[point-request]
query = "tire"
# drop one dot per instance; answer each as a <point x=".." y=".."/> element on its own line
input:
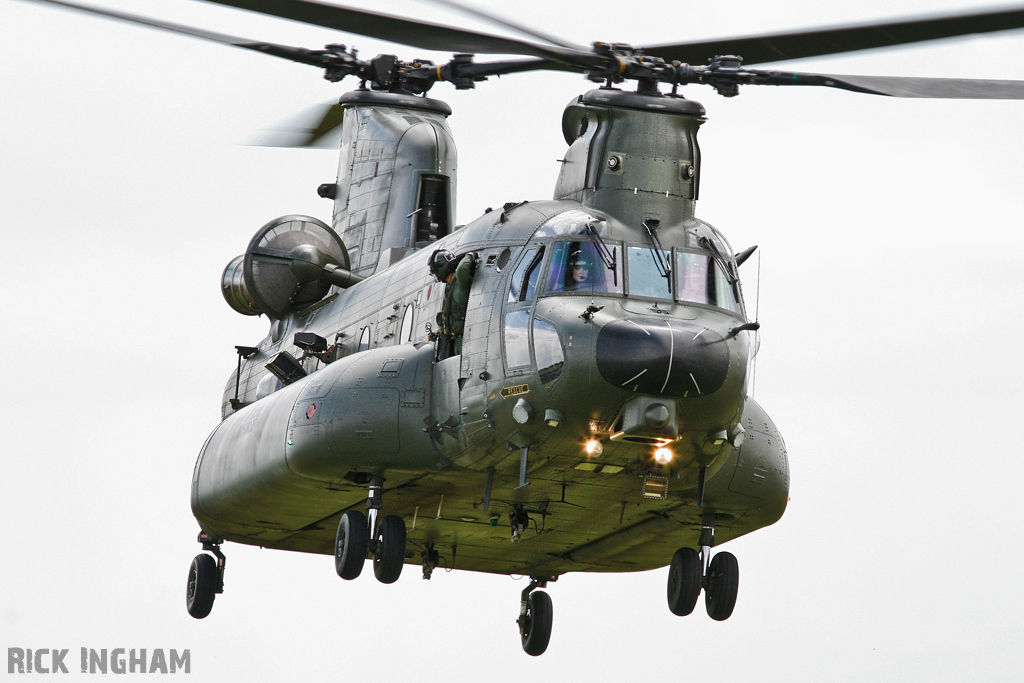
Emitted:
<point x="723" y="585"/>
<point x="684" y="580"/>
<point x="536" y="629"/>
<point x="389" y="556"/>
<point x="350" y="545"/>
<point x="202" y="586"/>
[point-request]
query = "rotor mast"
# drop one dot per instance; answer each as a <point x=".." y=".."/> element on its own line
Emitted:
<point x="630" y="146"/>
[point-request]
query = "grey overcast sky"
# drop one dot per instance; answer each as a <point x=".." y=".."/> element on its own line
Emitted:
<point x="891" y="294"/>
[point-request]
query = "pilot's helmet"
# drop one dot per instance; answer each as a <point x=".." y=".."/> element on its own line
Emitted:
<point x="442" y="264"/>
<point x="578" y="259"/>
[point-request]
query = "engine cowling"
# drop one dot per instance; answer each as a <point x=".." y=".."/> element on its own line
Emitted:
<point x="291" y="262"/>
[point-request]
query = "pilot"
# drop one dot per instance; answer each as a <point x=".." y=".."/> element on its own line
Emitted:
<point x="580" y="268"/>
<point x="457" y="274"/>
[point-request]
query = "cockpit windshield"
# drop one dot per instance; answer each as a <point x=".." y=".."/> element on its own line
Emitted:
<point x="697" y="276"/>
<point x="579" y="267"/>
<point x="647" y="272"/>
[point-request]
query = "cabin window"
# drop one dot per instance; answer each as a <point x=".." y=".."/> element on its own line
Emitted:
<point x="548" y="348"/>
<point x="269" y="383"/>
<point x="649" y="272"/>
<point x="581" y="267"/>
<point x="517" y="338"/>
<point x="405" y="331"/>
<point x="364" y="339"/>
<point x="524" y="279"/>
<point x="702" y="280"/>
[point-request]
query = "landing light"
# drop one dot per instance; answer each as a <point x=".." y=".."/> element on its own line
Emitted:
<point x="663" y="456"/>
<point x="552" y="417"/>
<point x="594" y="448"/>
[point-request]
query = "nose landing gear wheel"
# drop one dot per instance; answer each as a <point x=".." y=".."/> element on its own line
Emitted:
<point x="723" y="583"/>
<point x="202" y="586"/>
<point x="350" y="545"/>
<point x="389" y="551"/>
<point x="535" y="625"/>
<point x="684" y="581"/>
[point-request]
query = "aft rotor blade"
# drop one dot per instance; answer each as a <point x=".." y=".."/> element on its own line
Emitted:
<point x="507" y="23"/>
<point x="295" y="54"/>
<point x="838" y="39"/>
<point x="315" y="127"/>
<point x="509" y="67"/>
<point x="309" y="128"/>
<point x="411" y="32"/>
<point x="902" y="86"/>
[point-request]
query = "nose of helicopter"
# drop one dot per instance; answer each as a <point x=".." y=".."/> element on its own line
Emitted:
<point x="662" y="357"/>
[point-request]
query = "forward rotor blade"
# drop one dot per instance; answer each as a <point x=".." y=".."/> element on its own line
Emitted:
<point x="295" y="54"/>
<point x="902" y="86"/>
<point x="411" y="32"/>
<point x="507" y="23"/>
<point x="838" y="39"/>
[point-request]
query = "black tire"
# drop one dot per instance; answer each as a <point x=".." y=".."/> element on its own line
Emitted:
<point x="350" y="545"/>
<point x="723" y="585"/>
<point x="389" y="554"/>
<point x="684" y="579"/>
<point x="202" y="586"/>
<point x="536" y="628"/>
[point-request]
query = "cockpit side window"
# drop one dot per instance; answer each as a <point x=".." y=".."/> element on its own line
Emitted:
<point x="702" y="281"/>
<point x="579" y="267"/>
<point x="524" y="278"/>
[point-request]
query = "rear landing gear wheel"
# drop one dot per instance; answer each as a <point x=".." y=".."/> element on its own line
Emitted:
<point x="684" y="581"/>
<point x="723" y="581"/>
<point x="202" y="586"/>
<point x="350" y="545"/>
<point x="389" y="549"/>
<point x="535" y="625"/>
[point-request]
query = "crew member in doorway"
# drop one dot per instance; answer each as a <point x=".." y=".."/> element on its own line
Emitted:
<point x="457" y="274"/>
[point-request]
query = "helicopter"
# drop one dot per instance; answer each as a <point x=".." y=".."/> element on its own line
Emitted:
<point x="635" y="246"/>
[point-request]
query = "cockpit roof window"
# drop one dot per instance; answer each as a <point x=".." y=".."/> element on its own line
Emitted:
<point x="703" y="230"/>
<point x="572" y="222"/>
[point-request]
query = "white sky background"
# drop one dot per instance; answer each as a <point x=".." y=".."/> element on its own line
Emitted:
<point x="891" y="293"/>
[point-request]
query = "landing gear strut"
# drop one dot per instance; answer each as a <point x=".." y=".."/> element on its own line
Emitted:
<point x="358" y="533"/>
<point x="205" y="578"/>
<point x="535" y="617"/>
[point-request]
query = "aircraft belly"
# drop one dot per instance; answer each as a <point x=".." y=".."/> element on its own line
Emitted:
<point x="581" y="520"/>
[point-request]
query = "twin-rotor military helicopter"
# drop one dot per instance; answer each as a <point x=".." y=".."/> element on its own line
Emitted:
<point x="597" y="418"/>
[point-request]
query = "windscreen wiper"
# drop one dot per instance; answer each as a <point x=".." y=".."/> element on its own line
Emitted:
<point x="663" y="263"/>
<point x="713" y="248"/>
<point x="608" y="257"/>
